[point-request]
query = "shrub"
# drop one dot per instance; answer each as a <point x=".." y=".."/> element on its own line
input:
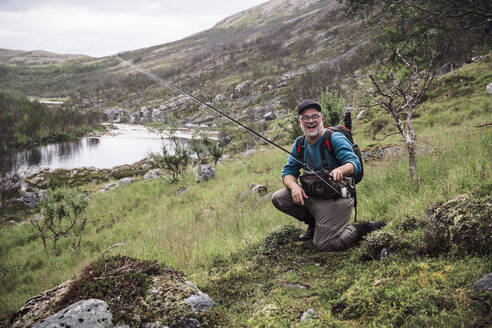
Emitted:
<point x="332" y="107"/>
<point x="174" y="161"/>
<point x="62" y="217"/>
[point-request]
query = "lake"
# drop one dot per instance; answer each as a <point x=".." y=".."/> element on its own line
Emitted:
<point x="125" y="145"/>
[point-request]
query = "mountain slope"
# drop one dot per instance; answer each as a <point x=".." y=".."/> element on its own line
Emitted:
<point x="251" y="60"/>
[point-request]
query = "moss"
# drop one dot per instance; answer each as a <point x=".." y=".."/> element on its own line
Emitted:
<point x="463" y="225"/>
<point x="276" y="239"/>
<point x="375" y="242"/>
<point x="137" y="292"/>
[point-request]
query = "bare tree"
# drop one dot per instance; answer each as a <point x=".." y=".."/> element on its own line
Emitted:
<point x="401" y="95"/>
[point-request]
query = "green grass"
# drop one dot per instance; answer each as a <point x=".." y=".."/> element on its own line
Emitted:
<point x="214" y="237"/>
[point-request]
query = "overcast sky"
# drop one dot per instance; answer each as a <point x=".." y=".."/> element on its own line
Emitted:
<point x="105" y="27"/>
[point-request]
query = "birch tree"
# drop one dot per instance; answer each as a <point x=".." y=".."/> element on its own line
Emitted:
<point x="400" y="94"/>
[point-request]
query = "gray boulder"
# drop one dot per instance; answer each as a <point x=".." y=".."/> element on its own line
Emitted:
<point x="309" y="314"/>
<point x="269" y="116"/>
<point x="124" y="181"/>
<point x="33" y="198"/>
<point x="153" y="174"/>
<point x="489" y="88"/>
<point x="200" y="303"/>
<point x="484" y="284"/>
<point x="90" y="313"/>
<point x="204" y="173"/>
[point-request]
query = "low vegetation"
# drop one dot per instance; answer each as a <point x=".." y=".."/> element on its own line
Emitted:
<point x="224" y="242"/>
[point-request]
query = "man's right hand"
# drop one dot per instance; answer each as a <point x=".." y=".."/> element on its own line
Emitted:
<point x="298" y="194"/>
<point x="296" y="191"/>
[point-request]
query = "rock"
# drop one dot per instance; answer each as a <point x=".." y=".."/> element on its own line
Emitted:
<point x="204" y="173"/>
<point x="269" y="116"/>
<point x="219" y="98"/>
<point x="91" y="313"/>
<point x="385" y="252"/>
<point x="360" y="114"/>
<point x="31" y="199"/>
<point x="259" y="189"/>
<point x="381" y="152"/>
<point x="124" y="181"/>
<point x="309" y="314"/>
<point x="109" y="186"/>
<point x="180" y="191"/>
<point x="241" y="89"/>
<point x="484" y="284"/>
<point x="146" y="166"/>
<point x="157" y="296"/>
<point x="10" y="185"/>
<point x="199" y="303"/>
<point x="249" y="152"/>
<point x="38" y="307"/>
<point x="463" y="225"/>
<point x="489" y="88"/>
<point x="153" y="174"/>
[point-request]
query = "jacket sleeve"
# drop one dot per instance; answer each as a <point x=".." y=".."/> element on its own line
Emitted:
<point x="292" y="167"/>
<point x="344" y="151"/>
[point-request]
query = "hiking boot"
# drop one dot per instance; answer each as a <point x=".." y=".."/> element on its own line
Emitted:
<point x="308" y="234"/>
<point x="367" y="227"/>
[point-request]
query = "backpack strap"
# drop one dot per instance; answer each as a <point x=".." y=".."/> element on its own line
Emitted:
<point x="325" y="143"/>
<point x="300" y="148"/>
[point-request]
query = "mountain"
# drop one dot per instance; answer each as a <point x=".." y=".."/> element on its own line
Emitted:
<point x="36" y="57"/>
<point x="257" y="61"/>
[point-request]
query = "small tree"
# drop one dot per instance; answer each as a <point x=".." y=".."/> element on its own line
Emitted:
<point x="174" y="160"/>
<point x="62" y="217"/>
<point x="332" y="107"/>
<point x="401" y="94"/>
<point x="214" y="149"/>
<point x="198" y="148"/>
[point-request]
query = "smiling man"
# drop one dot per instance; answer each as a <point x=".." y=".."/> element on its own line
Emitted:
<point x="326" y="213"/>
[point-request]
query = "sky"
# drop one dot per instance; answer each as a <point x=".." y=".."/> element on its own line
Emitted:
<point x="105" y="27"/>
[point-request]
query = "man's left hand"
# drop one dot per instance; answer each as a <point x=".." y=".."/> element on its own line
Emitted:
<point x="337" y="174"/>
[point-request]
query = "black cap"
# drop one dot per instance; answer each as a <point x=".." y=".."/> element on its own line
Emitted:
<point x="308" y="103"/>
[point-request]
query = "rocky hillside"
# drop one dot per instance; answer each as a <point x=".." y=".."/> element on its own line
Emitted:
<point x="251" y="63"/>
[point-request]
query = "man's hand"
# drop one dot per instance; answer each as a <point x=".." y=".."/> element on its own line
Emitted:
<point x="296" y="191"/>
<point x="338" y="173"/>
<point x="298" y="194"/>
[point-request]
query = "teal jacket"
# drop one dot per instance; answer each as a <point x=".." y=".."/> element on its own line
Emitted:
<point x="343" y="154"/>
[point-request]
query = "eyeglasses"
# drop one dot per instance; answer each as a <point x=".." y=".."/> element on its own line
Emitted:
<point x="307" y="118"/>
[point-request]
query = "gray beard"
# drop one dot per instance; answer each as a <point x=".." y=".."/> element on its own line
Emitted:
<point x="315" y="133"/>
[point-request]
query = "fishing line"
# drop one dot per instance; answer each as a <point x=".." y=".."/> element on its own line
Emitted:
<point x="197" y="100"/>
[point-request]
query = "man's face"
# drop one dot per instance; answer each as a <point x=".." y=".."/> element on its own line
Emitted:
<point x="311" y="123"/>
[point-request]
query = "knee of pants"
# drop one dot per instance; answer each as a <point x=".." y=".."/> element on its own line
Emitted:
<point x="332" y="245"/>
<point x="275" y="199"/>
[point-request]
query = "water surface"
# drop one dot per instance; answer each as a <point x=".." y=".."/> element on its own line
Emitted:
<point x="126" y="145"/>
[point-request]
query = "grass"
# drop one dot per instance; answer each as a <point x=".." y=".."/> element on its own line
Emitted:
<point x="215" y="238"/>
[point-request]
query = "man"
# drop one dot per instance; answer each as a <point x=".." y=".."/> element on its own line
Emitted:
<point x="326" y="218"/>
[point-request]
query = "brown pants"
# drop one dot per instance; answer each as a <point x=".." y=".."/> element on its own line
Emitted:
<point x="330" y="216"/>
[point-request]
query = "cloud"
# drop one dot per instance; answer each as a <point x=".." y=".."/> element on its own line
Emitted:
<point x="100" y="28"/>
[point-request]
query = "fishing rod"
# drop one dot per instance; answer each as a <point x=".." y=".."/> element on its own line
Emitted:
<point x="169" y="85"/>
